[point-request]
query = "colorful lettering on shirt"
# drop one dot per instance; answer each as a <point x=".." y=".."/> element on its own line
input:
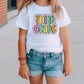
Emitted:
<point x="43" y="19"/>
<point x="45" y="24"/>
<point x="53" y="28"/>
<point x="37" y="20"/>
<point x="36" y="28"/>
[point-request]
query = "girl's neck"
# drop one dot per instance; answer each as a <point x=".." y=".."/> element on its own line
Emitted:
<point x="42" y="2"/>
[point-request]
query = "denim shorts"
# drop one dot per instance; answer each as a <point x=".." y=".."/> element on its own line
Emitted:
<point x="48" y="63"/>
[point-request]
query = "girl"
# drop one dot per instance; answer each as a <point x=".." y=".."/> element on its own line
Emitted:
<point x="43" y="36"/>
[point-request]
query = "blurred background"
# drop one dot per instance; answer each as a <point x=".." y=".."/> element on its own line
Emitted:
<point x="9" y="65"/>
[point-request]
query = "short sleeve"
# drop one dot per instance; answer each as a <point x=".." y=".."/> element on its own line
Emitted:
<point x="22" y="19"/>
<point x="65" y="20"/>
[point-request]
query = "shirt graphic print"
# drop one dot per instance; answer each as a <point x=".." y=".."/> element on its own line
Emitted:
<point x="45" y="24"/>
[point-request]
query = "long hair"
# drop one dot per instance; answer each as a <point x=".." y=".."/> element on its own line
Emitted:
<point x="55" y="4"/>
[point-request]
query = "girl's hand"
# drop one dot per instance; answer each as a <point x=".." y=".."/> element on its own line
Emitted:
<point x="67" y="67"/>
<point x="24" y="71"/>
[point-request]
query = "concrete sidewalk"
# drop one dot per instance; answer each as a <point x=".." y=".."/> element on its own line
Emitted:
<point x="9" y="64"/>
<point x="11" y="14"/>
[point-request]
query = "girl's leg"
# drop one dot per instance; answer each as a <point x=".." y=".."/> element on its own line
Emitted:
<point x="54" y="80"/>
<point x="36" y="79"/>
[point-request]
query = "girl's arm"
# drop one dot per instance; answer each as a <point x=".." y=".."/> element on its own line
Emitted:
<point x="66" y="43"/>
<point x="66" y="49"/>
<point x="22" y="43"/>
<point x="24" y="69"/>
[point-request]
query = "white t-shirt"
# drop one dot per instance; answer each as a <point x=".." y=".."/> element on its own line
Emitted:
<point x="43" y="27"/>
